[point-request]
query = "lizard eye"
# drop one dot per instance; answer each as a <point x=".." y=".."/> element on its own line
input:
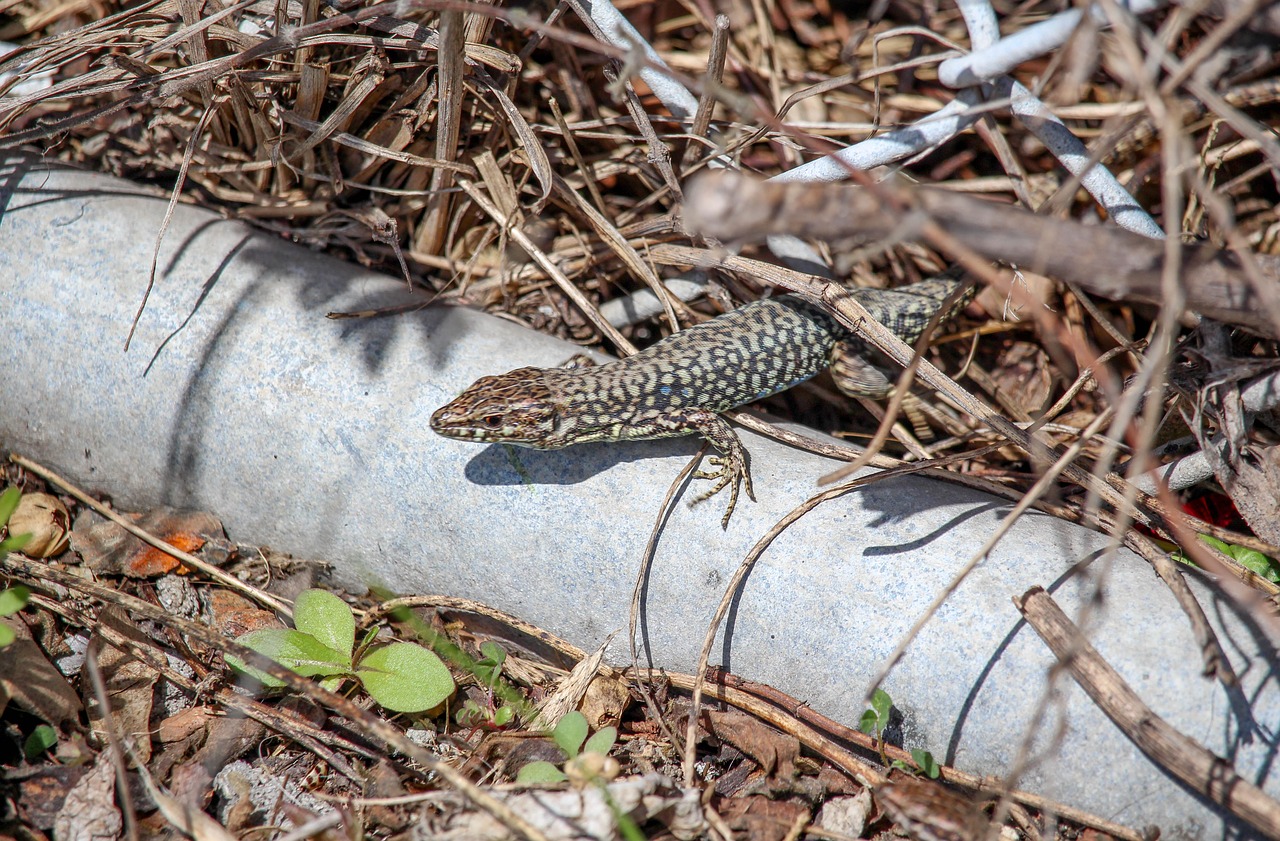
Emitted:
<point x="492" y="421"/>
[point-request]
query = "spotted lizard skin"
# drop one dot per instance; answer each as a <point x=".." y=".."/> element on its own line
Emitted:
<point x="680" y="385"/>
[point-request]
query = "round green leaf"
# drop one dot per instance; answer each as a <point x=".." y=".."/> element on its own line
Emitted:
<point x="867" y="724"/>
<point x="876" y="719"/>
<point x="13" y="599"/>
<point x="601" y="741"/>
<point x="493" y="652"/>
<point x="7" y="635"/>
<point x="540" y="773"/>
<point x="327" y="618"/>
<point x="15" y="542"/>
<point x="294" y="650"/>
<point x="570" y="733"/>
<point x="926" y="763"/>
<point x="469" y="714"/>
<point x="882" y="704"/>
<point x="41" y="739"/>
<point x="9" y="503"/>
<point x="405" y="677"/>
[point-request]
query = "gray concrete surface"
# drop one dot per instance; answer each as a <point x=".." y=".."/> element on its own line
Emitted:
<point x="239" y="397"/>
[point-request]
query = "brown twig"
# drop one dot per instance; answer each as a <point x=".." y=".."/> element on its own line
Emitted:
<point x="1210" y="776"/>
<point x="1107" y="261"/>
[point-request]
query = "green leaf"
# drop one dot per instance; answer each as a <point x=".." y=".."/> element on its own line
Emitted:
<point x="503" y="716"/>
<point x="41" y="739"/>
<point x="1250" y="559"/>
<point x="469" y="714"/>
<point x="14" y="543"/>
<point x="13" y="599"/>
<point x="570" y="733"/>
<point x="882" y="704"/>
<point x="926" y="763"/>
<point x="493" y="653"/>
<point x="601" y="741"/>
<point x="294" y="650"/>
<point x="1258" y="563"/>
<point x="405" y="677"/>
<point x="876" y="718"/>
<point x="867" y="724"/>
<point x="7" y="635"/>
<point x="1221" y="546"/>
<point x="327" y="618"/>
<point x="489" y="668"/>
<point x="540" y="773"/>
<point x="9" y="503"/>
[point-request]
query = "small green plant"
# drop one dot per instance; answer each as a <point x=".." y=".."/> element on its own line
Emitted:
<point x="876" y="720"/>
<point x="8" y="504"/>
<point x="1251" y="559"/>
<point x="475" y="715"/>
<point x="488" y="671"/>
<point x="42" y="738"/>
<point x="489" y="667"/>
<point x="585" y="757"/>
<point x="588" y="763"/>
<point x="509" y="700"/>
<point x="925" y="764"/>
<point x="401" y="676"/>
<point x="12" y="600"/>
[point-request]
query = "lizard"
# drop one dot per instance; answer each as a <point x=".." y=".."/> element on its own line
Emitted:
<point x="680" y="385"/>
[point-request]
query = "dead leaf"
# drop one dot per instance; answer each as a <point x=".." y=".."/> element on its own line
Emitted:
<point x="776" y="753"/>
<point x="107" y="548"/>
<point x="589" y="813"/>
<point x="606" y="699"/>
<point x="29" y="679"/>
<point x="182" y="726"/>
<point x="571" y="690"/>
<point x="1022" y="374"/>
<point x="180" y="736"/>
<point x="89" y="812"/>
<point x="761" y="818"/>
<point x="40" y="796"/>
<point x="130" y="685"/>
<point x="187" y="819"/>
<point x="227" y="737"/>
<point x="845" y="816"/>
<point x="234" y="615"/>
<point x="926" y="809"/>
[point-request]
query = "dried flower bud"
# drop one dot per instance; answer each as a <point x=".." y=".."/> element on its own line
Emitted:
<point x="45" y="518"/>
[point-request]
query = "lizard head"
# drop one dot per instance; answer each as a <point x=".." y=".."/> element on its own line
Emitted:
<point x="511" y="408"/>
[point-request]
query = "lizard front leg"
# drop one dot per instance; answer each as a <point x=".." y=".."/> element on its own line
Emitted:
<point x="733" y="467"/>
